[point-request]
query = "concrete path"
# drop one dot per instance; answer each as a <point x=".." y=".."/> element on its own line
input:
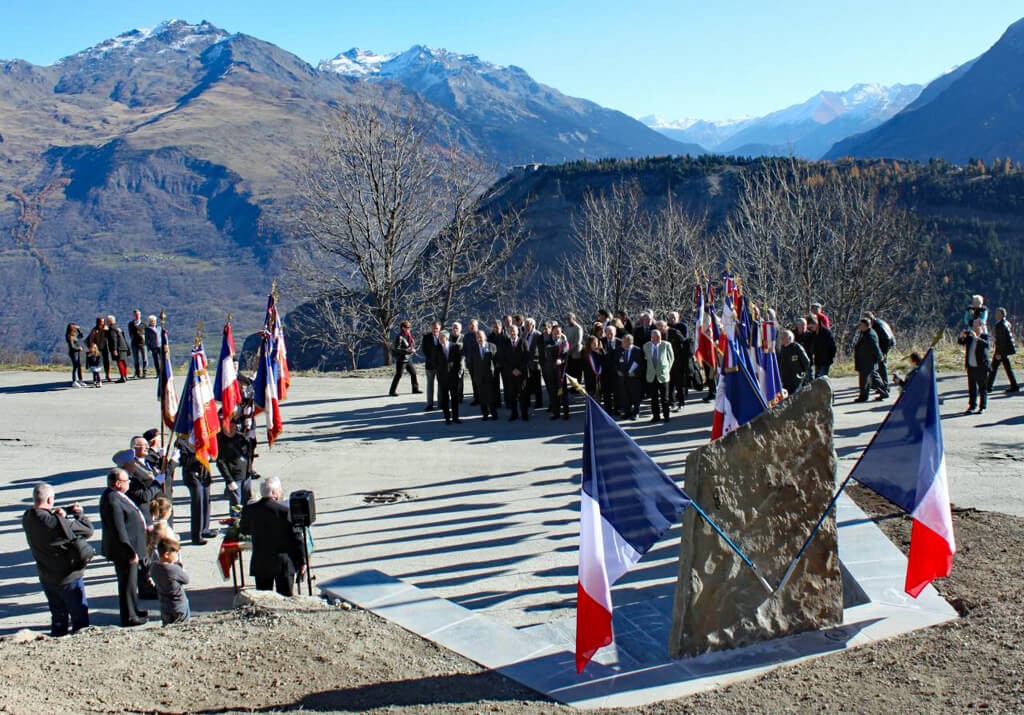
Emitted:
<point x="486" y="516"/>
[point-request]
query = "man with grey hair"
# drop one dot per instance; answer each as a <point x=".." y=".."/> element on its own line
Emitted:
<point x="47" y="529"/>
<point x="277" y="549"/>
<point x="470" y="356"/>
<point x="447" y="365"/>
<point x="794" y="364"/>
<point x="574" y="337"/>
<point x="124" y="544"/>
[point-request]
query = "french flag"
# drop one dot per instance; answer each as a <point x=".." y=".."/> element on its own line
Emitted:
<point x="226" y="389"/>
<point x="265" y="389"/>
<point x="768" y="374"/>
<point x="738" y="398"/>
<point x="627" y="503"/>
<point x="166" y="393"/>
<point x="197" y="412"/>
<point x="705" y="352"/>
<point x="906" y="464"/>
<point x="278" y="350"/>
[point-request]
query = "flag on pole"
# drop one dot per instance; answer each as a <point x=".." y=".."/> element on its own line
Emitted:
<point x="165" y="391"/>
<point x="197" y="412"/>
<point x="705" y="352"/>
<point x="278" y="351"/>
<point x="627" y="503"/>
<point x="768" y="375"/>
<point x="738" y="398"/>
<point x="226" y="389"/>
<point x="905" y="463"/>
<point x="265" y="389"/>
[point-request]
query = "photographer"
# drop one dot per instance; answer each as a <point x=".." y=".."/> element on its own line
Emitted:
<point x="48" y="529"/>
<point x="976" y="362"/>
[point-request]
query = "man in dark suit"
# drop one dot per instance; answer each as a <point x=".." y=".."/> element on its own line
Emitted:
<point x="137" y="340"/>
<point x="866" y="357"/>
<point x="514" y="360"/>
<point x="534" y="341"/>
<point x="677" y="334"/>
<point x="47" y="528"/>
<point x="483" y="375"/>
<point x="277" y="552"/>
<point x="447" y="362"/>
<point x="976" y="362"/>
<point x="628" y="364"/>
<point x="609" y="374"/>
<point x="469" y="342"/>
<point x="498" y="338"/>
<point x="1004" y="348"/>
<point x="427" y="346"/>
<point x="124" y="544"/>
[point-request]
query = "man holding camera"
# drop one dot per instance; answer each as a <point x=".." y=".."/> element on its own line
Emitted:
<point x="48" y="529"/>
<point x="277" y="549"/>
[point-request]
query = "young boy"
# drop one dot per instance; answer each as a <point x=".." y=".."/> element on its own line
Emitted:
<point x="170" y="580"/>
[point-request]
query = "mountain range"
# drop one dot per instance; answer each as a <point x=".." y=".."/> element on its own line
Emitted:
<point x="807" y="130"/>
<point x="976" y="112"/>
<point x="164" y="159"/>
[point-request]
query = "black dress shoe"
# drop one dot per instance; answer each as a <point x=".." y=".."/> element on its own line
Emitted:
<point x="654" y="419"/>
<point x="134" y="623"/>
<point x="417" y="391"/>
<point x="554" y="417"/>
<point x="199" y="542"/>
<point x="392" y="394"/>
<point x="861" y="399"/>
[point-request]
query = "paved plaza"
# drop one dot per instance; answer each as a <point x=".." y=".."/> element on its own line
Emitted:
<point x="486" y="512"/>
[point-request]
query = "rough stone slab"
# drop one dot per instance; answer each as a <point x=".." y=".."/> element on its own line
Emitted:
<point x="765" y="484"/>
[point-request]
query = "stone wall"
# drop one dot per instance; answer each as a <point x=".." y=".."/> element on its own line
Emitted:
<point x="765" y="484"/>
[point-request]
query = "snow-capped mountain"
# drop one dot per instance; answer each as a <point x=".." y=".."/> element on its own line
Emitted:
<point x="170" y="34"/>
<point x="807" y="129"/>
<point x="508" y="105"/>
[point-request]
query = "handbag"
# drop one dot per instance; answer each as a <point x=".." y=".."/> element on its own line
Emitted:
<point x="76" y="551"/>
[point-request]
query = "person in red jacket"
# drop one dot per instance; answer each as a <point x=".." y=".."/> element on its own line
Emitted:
<point x="822" y="319"/>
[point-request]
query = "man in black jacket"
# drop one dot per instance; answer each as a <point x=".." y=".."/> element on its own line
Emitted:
<point x="822" y="352"/>
<point x="447" y="365"/>
<point x="1005" y="347"/>
<point x="886" y="342"/>
<point x="428" y="344"/>
<point x="976" y="362"/>
<point x="514" y="360"/>
<point x="137" y="338"/>
<point x="277" y="553"/>
<point x="47" y="529"/>
<point x="124" y="544"/>
<point x="794" y="365"/>
<point x="482" y="372"/>
<point x="233" y="464"/>
<point x="866" y="356"/>
<point x="678" y="336"/>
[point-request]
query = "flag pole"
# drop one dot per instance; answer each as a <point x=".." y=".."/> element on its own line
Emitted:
<point x="810" y="537"/>
<point x="162" y="385"/>
<point x="575" y="385"/>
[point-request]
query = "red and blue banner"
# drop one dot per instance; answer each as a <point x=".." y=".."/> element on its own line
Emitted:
<point x="264" y="387"/>
<point x="278" y="352"/>
<point x="196" y="420"/>
<point x="738" y="398"/>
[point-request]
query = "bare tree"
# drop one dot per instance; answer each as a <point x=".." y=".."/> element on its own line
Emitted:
<point x="607" y="230"/>
<point x="804" y="232"/>
<point x="369" y="202"/>
<point x="677" y="245"/>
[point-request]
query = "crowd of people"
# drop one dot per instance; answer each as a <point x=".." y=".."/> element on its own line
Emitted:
<point x="139" y="538"/>
<point x="106" y="346"/>
<point x="515" y="361"/>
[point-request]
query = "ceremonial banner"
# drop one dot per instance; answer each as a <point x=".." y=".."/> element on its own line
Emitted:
<point x="226" y="389"/>
<point x="197" y="412"/>
<point x="165" y="391"/>
<point x="738" y="397"/>
<point x="265" y="389"/>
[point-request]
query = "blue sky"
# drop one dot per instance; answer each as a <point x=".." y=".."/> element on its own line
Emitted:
<point x="711" y="60"/>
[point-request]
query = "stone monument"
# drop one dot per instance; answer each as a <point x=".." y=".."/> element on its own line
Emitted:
<point x="765" y="485"/>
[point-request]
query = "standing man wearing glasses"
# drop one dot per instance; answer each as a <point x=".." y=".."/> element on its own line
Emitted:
<point x="124" y="544"/>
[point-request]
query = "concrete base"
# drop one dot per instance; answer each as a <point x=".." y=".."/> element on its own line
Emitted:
<point x="635" y="670"/>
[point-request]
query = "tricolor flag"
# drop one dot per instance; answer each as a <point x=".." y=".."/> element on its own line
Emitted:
<point x="705" y="351"/>
<point x="165" y="385"/>
<point x="738" y="398"/>
<point x="768" y="375"/>
<point x="265" y="389"/>
<point x="627" y="503"/>
<point x="226" y="389"/>
<point x="197" y="412"/>
<point x="278" y="351"/>
<point x="905" y="463"/>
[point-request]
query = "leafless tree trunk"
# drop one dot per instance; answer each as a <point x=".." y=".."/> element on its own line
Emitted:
<point x="608" y="230"/>
<point x="369" y="202"/>
<point x="805" y="232"/>
<point x="669" y="259"/>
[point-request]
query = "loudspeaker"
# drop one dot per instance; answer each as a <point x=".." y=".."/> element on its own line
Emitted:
<point x="302" y="507"/>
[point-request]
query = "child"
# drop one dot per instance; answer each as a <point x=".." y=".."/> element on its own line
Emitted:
<point x="94" y="363"/>
<point x="160" y="511"/>
<point x="170" y="580"/>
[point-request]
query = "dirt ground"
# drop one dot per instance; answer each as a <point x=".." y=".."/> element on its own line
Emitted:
<point x="327" y="659"/>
